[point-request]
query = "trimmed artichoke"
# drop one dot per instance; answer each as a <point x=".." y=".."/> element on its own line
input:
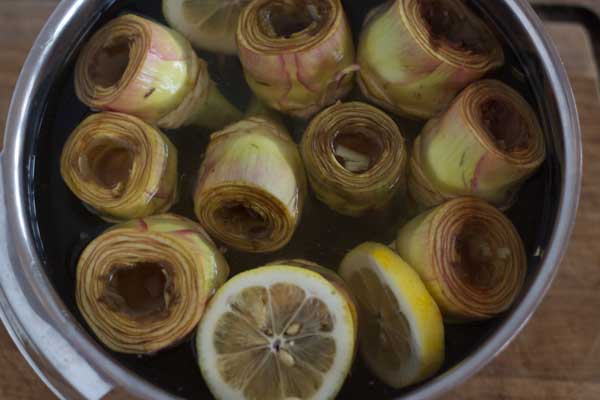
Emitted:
<point x="469" y="255"/>
<point x="298" y="55"/>
<point x="251" y="186"/>
<point x="120" y="166"/>
<point x="142" y="286"/>
<point x="485" y="145"/>
<point x="355" y="157"/>
<point x="416" y="55"/>
<point x="139" y="67"/>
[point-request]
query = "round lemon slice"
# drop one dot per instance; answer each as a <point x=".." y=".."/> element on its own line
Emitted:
<point x="274" y="333"/>
<point x="328" y="274"/>
<point x="207" y="24"/>
<point x="401" y="332"/>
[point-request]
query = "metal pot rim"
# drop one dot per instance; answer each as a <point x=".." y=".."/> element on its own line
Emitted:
<point x="24" y="271"/>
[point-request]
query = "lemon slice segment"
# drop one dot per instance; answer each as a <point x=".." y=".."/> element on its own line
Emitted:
<point x="401" y="332"/>
<point x="207" y="24"/>
<point x="275" y="333"/>
<point x="328" y="274"/>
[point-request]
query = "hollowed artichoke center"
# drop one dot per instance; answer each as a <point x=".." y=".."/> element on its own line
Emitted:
<point x="478" y="260"/>
<point x="505" y="125"/>
<point x="241" y="219"/>
<point x="140" y="289"/>
<point x="447" y="25"/>
<point x="286" y="18"/>
<point x="110" y="63"/>
<point x="110" y="163"/>
<point x="357" y="150"/>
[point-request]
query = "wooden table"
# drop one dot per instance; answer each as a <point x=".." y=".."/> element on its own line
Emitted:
<point x="557" y="356"/>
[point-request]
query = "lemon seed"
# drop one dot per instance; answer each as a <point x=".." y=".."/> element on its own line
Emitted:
<point x="293" y="330"/>
<point x="286" y="358"/>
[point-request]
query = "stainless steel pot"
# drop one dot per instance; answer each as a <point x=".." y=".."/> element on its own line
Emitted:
<point x="70" y="361"/>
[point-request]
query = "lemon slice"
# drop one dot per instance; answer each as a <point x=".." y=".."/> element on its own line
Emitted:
<point x="276" y="332"/>
<point x="328" y="274"/>
<point x="401" y="332"/>
<point x="208" y="24"/>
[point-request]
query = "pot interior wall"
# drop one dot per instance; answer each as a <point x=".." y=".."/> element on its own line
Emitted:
<point x="63" y="226"/>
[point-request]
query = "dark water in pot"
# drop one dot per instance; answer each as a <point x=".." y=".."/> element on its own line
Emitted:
<point x="63" y="226"/>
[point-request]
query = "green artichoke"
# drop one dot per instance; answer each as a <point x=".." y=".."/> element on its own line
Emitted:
<point x="416" y="55"/>
<point x="485" y="145"/>
<point x="251" y="186"/>
<point x="120" y="166"/>
<point x="355" y="158"/>
<point x="142" y="286"/>
<point x="139" y="67"/>
<point x="469" y="255"/>
<point x="298" y="55"/>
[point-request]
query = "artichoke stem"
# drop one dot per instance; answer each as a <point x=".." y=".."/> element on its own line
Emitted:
<point x="258" y="108"/>
<point x="216" y="112"/>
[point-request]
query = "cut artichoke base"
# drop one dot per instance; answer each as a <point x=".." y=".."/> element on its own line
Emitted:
<point x="272" y="337"/>
<point x="357" y="150"/>
<point x="477" y="258"/>
<point x="447" y="26"/>
<point x="247" y="220"/>
<point x="242" y="219"/>
<point x="505" y="125"/>
<point x="141" y="291"/>
<point x="287" y="19"/>
<point x="110" y="62"/>
<point x="109" y="163"/>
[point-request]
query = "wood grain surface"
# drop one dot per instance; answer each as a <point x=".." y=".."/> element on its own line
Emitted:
<point x="557" y="356"/>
